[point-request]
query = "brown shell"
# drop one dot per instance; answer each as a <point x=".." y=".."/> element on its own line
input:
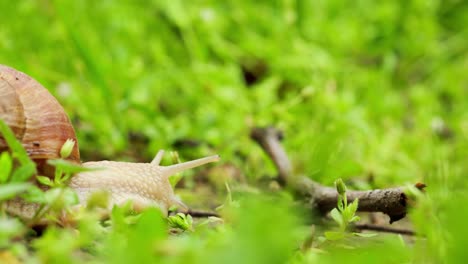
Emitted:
<point x="35" y="116"/>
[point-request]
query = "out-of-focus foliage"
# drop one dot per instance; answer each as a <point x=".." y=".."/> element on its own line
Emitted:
<point x="362" y="89"/>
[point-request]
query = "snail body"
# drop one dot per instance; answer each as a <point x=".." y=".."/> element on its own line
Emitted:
<point x="40" y="123"/>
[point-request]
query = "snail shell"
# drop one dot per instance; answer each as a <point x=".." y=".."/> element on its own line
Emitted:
<point x="40" y="123"/>
<point x="37" y="119"/>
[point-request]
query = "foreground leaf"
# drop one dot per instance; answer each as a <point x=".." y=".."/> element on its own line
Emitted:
<point x="10" y="190"/>
<point x="332" y="235"/>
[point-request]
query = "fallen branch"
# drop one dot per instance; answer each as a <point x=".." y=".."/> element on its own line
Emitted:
<point x="196" y="213"/>
<point x="385" y="229"/>
<point x="392" y="201"/>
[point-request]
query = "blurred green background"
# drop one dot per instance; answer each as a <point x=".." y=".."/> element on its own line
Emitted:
<point x="359" y="87"/>
<point x="371" y="90"/>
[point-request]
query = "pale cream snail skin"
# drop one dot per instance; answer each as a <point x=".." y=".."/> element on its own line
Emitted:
<point x="42" y="126"/>
<point x="145" y="184"/>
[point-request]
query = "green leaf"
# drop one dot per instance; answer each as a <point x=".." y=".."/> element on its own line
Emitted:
<point x="60" y="198"/>
<point x="14" y="145"/>
<point x="189" y="220"/>
<point x="35" y="195"/>
<point x="118" y="218"/>
<point x="24" y="172"/>
<point x="332" y="235"/>
<point x="99" y="199"/>
<point x="68" y="166"/>
<point x="349" y="211"/>
<point x="181" y="221"/>
<point x="9" y="228"/>
<point x="28" y="168"/>
<point x="212" y="220"/>
<point x="45" y="180"/>
<point x="335" y="214"/>
<point x="340" y="203"/>
<point x="150" y="227"/>
<point x="346" y="215"/>
<point x="365" y="234"/>
<point x="6" y="165"/>
<point x="354" y="219"/>
<point x="69" y="197"/>
<point x="353" y="207"/>
<point x="52" y="195"/>
<point x="12" y="189"/>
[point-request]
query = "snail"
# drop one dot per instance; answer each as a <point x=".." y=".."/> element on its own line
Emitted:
<point x="40" y="123"/>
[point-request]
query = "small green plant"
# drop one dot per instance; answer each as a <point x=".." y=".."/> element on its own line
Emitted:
<point x="63" y="169"/>
<point x="26" y="167"/>
<point x="344" y="214"/>
<point x="181" y="221"/>
<point x="59" y="196"/>
<point x="13" y="178"/>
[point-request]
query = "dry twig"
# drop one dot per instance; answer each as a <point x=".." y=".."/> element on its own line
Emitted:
<point x="196" y="213"/>
<point x="392" y="201"/>
<point x="385" y="229"/>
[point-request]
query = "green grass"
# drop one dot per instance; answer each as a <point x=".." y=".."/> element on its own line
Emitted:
<point x="360" y="88"/>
